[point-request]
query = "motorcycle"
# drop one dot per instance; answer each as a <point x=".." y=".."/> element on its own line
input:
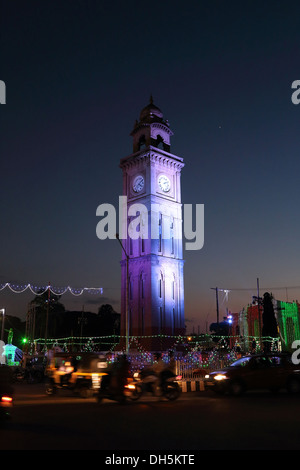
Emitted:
<point x="112" y="390"/>
<point x="114" y="383"/>
<point x="146" y="382"/>
<point x="29" y="375"/>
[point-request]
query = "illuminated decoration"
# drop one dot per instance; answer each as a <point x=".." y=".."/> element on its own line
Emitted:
<point x="288" y="320"/>
<point x="254" y="320"/>
<point x="10" y="336"/>
<point x="152" y="287"/>
<point x="193" y="348"/>
<point x="40" y="290"/>
<point x="89" y="346"/>
<point x="205" y="354"/>
<point x="12" y="354"/>
<point x="226" y="292"/>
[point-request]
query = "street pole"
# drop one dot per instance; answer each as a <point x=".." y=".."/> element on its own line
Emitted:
<point x="259" y="315"/>
<point x="127" y="296"/>
<point x="217" y="302"/>
<point x="47" y="316"/>
<point x="82" y="320"/>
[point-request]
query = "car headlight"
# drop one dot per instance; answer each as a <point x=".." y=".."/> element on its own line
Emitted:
<point x="206" y="376"/>
<point x="220" y="377"/>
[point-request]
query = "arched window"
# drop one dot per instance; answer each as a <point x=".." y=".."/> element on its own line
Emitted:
<point x="159" y="142"/>
<point x="142" y="142"/>
<point x="130" y="323"/>
<point x="173" y="322"/>
<point x="160" y="232"/>
<point x="130" y="288"/>
<point x="161" y="320"/>
<point x="160" y="286"/>
<point x="142" y="286"/>
<point x="143" y="321"/>
<point x="172" y="236"/>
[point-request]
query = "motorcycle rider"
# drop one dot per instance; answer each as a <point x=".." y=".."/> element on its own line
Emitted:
<point x="158" y="367"/>
<point x="122" y="373"/>
<point x="63" y="372"/>
<point x="117" y="376"/>
<point x="169" y="370"/>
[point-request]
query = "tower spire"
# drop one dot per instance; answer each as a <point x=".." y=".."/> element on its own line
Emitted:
<point x="151" y="129"/>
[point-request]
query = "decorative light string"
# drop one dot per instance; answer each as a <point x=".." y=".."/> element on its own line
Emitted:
<point x="226" y="291"/>
<point x="40" y="290"/>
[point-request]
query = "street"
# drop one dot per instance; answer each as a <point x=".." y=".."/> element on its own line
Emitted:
<point x="197" y="421"/>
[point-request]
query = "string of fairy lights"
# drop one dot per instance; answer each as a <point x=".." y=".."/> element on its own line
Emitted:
<point x="194" y="355"/>
<point x="40" y="290"/>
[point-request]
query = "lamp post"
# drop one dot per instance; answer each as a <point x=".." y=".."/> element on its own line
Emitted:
<point x="259" y="301"/>
<point x="127" y="296"/>
<point x="47" y="317"/>
<point x="2" y="328"/>
<point x="229" y="321"/>
<point x="217" y="301"/>
<point x="259" y="314"/>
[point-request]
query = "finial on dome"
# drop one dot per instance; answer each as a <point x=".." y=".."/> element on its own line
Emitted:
<point x="151" y="99"/>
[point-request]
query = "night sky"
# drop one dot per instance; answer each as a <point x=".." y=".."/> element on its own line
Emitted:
<point x="77" y="75"/>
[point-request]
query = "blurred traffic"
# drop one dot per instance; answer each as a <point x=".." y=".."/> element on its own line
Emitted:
<point x="271" y="371"/>
<point x="81" y="373"/>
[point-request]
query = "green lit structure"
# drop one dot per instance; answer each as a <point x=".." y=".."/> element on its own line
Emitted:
<point x="10" y="355"/>
<point x="288" y="321"/>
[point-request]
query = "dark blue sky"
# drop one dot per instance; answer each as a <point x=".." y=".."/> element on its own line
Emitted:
<point x="78" y="74"/>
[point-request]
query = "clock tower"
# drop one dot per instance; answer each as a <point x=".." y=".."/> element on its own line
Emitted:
<point x="152" y="293"/>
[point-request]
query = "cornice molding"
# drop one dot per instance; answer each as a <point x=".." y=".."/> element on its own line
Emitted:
<point x="152" y="155"/>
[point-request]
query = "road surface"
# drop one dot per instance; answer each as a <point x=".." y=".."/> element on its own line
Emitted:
<point x="197" y="421"/>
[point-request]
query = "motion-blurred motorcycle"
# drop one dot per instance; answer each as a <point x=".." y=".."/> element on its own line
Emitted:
<point x="29" y="375"/>
<point x="145" y="382"/>
<point x="112" y="389"/>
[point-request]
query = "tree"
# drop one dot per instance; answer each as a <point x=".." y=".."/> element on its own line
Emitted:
<point x="109" y="320"/>
<point x="41" y="303"/>
<point x="221" y="331"/>
<point x="269" y="327"/>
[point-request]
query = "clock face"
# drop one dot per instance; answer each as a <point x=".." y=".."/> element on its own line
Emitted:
<point x="138" y="184"/>
<point x="164" y="183"/>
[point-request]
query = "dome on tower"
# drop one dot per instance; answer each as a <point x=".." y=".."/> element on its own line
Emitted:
<point x="151" y="129"/>
<point x="151" y="113"/>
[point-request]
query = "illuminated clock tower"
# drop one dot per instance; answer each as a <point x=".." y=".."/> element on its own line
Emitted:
<point x="153" y="281"/>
